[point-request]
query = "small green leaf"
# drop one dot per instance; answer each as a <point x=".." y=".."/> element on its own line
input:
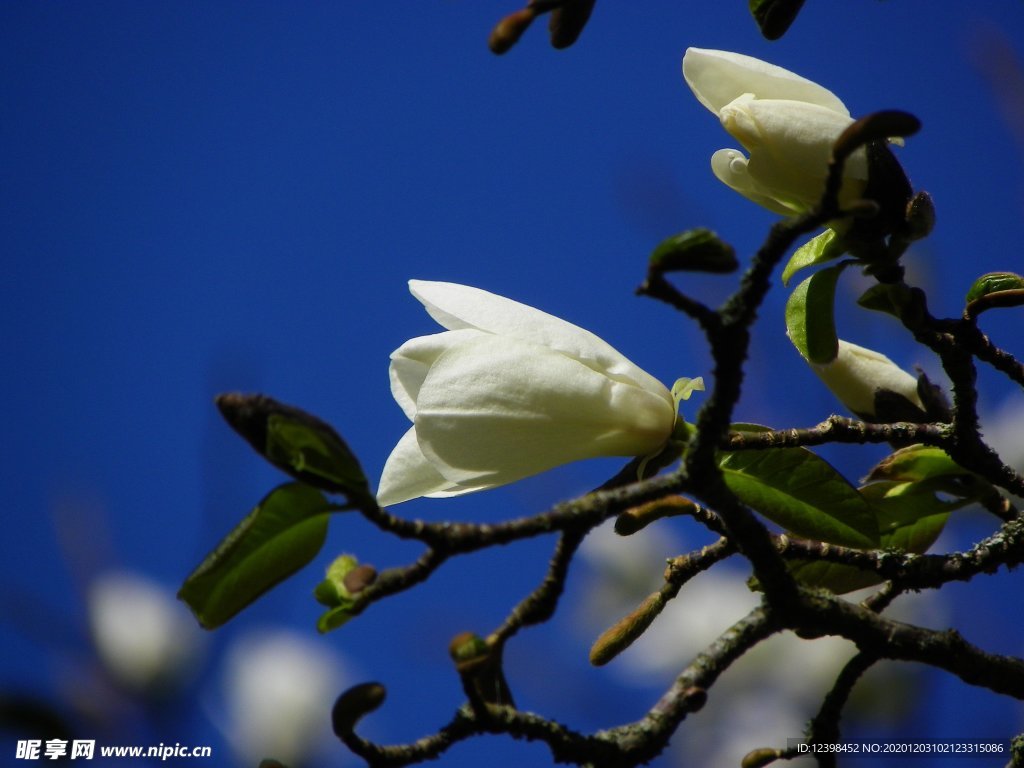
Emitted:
<point x="774" y="17"/>
<point x="282" y="534"/>
<point x="910" y="519"/>
<point x="993" y="282"/>
<point x="825" y="247"/>
<point x="910" y="515"/>
<point x="885" y="297"/>
<point x="915" y="463"/>
<point x="695" y="250"/>
<point x="810" y="321"/>
<point x="296" y="442"/>
<point x="334" y="618"/>
<point x="801" y="492"/>
<point x="996" y="289"/>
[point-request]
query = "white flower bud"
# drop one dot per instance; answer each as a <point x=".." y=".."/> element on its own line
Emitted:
<point x="857" y="375"/>
<point x="786" y="123"/>
<point x="509" y="391"/>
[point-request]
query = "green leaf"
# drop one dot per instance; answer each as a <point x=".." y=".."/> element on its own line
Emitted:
<point x="994" y="282"/>
<point x="296" y="442"/>
<point x="885" y="297"/>
<point x="825" y="247"/>
<point x="695" y="250"/>
<point x="915" y="463"/>
<point x="810" y="321"/>
<point x="334" y="618"/>
<point x="910" y="518"/>
<point x="801" y="492"/>
<point x="774" y="17"/>
<point x="996" y="289"/>
<point x="282" y="534"/>
<point x="313" y="453"/>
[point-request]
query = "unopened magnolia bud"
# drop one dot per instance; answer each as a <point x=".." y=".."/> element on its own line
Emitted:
<point x="621" y="635"/>
<point x="479" y="666"/>
<point x="353" y="705"/>
<point x="637" y="518"/>
<point x="567" y="22"/>
<point x="359" y="578"/>
<point x="920" y="216"/>
<point x="345" y="579"/>
<point x="332" y="591"/>
<point x="758" y="758"/>
<point x="774" y="17"/>
<point x="508" y="31"/>
<point x="863" y="380"/>
<point x="295" y="442"/>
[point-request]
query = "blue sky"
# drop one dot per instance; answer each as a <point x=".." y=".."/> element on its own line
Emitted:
<point x="201" y="197"/>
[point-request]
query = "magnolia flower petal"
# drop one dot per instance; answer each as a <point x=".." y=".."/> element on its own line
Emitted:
<point x="408" y="475"/>
<point x="461" y="306"/>
<point x="770" y="124"/>
<point x="792" y="132"/>
<point x="411" y="361"/>
<point x="718" y="77"/>
<point x="858" y="373"/>
<point x="790" y="144"/>
<point x="730" y="166"/>
<point x="493" y="410"/>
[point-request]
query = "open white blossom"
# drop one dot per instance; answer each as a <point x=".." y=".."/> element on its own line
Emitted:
<point x="785" y="122"/>
<point x="508" y="391"/>
<point x="858" y="374"/>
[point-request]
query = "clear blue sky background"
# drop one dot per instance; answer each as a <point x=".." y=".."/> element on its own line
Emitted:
<point x="201" y="197"/>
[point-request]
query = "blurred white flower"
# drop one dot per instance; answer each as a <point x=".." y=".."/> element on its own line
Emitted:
<point x="280" y="688"/>
<point x="786" y="123"/>
<point x="508" y="391"/>
<point x="857" y="375"/>
<point x="145" y="638"/>
<point x="1004" y="430"/>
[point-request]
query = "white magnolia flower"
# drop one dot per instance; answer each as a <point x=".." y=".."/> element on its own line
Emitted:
<point x="785" y="122"/>
<point x="509" y="391"/>
<point x="143" y="636"/>
<point x="857" y="375"/>
<point x="279" y="688"/>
